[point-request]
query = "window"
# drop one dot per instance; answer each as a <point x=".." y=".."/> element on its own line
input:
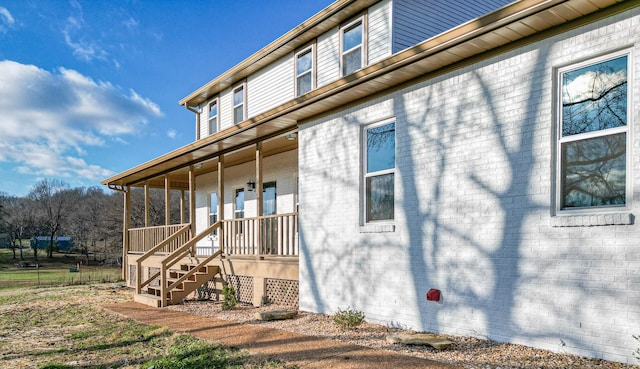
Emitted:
<point x="593" y="134"/>
<point x="352" y="47"/>
<point x="238" y="105"/>
<point x="239" y="204"/>
<point x="213" y="117"/>
<point x="238" y="209"/>
<point x="379" y="170"/>
<point x="304" y="71"/>
<point x="213" y="211"/>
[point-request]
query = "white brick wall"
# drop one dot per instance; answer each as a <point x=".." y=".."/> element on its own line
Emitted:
<point x="474" y="184"/>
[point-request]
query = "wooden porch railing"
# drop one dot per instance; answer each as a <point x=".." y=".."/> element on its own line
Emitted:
<point x="142" y="240"/>
<point x="271" y="235"/>
<point x="183" y="232"/>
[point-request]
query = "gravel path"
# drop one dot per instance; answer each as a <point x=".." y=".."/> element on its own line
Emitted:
<point x="467" y="352"/>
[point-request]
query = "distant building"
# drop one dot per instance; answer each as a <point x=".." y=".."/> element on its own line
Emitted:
<point x="62" y="243"/>
<point x="5" y="240"/>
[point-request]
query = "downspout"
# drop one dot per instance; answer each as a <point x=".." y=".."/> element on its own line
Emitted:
<point x="197" y="120"/>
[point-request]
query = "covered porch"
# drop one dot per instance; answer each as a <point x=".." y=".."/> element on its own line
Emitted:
<point x="238" y="226"/>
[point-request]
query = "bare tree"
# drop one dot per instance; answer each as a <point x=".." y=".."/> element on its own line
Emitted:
<point x="18" y="220"/>
<point x="54" y="202"/>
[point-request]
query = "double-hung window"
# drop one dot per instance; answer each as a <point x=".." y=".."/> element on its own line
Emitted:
<point x="238" y="104"/>
<point x="213" y="116"/>
<point x="304" y="71"/>
<point x="352" y="52"/>
<point x="379" y="171"/>
<point x="593" y="134"/>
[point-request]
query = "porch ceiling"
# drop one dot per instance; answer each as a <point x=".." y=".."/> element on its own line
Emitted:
<point x="508" y="27"/>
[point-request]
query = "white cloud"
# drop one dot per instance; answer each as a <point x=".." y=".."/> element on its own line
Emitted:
<point x="77" y="37"/>
<point x="6" y="20"/>
<point x="172" y="133"/>
<point x="591" y="85"/>
<point x="49" y="119"/>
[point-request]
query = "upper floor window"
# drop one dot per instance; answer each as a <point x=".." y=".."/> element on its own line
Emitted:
<point x="351" y="56"/>
<point x="593" y="133"/>
<point x="304" y="71"/>
<point x="238" y="104"/>
<point x="379" y="171"/>
<point x="213" y="117"/>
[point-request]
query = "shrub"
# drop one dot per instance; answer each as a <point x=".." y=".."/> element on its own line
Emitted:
<point x="230" y="299"/>
<point x="348" y="318"/>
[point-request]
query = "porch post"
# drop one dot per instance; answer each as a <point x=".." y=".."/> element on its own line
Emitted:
<point x="221" y="202"/>
<point x="167" y="201"/>
<point x="259" y="205"/>
<point x="146" y="205"/>
<point x="182" y="204"/>
<point x="126" y="223"/>
<point x="192" y="204"/>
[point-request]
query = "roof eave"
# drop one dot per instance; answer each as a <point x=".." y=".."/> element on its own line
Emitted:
<point x="431" y="55"/>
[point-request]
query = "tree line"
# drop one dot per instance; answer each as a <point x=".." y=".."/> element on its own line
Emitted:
<point x="89" y="215"/>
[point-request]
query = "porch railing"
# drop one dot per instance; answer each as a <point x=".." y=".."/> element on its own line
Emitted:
<point x="142" y="240"/>
<point x="270" y="235"/>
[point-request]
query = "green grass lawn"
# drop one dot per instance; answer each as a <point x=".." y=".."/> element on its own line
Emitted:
<point x="64" y="328"/>
<point x="16" y="273"/>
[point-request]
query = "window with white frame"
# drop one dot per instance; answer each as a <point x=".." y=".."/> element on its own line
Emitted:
<point x="238" y="209"/>
<point x="304" y="71"/>
<point x="238" y="104"/>
<point x="213" y="211"/>
<point x="593" y="134"/>
<point x="351" y="52"/>
<point x="213" y="116"/>
<point x="379" y="171"/>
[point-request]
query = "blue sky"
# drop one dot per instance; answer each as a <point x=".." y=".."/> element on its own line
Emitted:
<point x="90" y="88"/>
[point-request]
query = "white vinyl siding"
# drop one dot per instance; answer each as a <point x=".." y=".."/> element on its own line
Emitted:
<point x="328" y="63"/>
<point x="226" y="109"/>
<point x="203" y="128"/>
<point x="417" y="20"/>
<point x="270" y="87"/>
<point x="379" y="31"/>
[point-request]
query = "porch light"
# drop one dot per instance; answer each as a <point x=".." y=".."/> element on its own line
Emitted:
<point x="251" y="185"/>
<point x="291" y="136"/>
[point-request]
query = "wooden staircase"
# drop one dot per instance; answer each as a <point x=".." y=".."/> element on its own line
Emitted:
<point x="183" y="285"/>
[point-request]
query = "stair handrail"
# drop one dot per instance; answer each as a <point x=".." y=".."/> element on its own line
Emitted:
<point x="152" y="251"/>
<point x="176" y="255"/>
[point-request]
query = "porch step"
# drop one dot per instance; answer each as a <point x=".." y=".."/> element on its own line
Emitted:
<point x="147" y="299"/>
<point x="153" y="295"/>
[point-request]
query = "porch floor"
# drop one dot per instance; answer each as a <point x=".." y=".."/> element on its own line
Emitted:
<point x="301" y="350"/>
